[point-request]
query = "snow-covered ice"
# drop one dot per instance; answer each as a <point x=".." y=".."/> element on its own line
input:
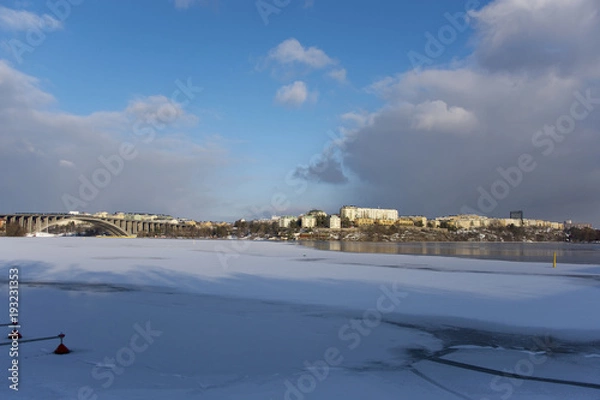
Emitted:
<point x="177" y="319"/>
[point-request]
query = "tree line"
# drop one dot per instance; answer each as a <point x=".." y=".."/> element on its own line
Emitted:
<point x="583" y="235"/>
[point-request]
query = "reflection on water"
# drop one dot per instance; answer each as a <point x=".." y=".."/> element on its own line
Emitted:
<point x="531" y="252"/>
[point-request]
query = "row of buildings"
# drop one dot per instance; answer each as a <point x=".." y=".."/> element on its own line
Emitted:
<point x="145" y="217"/>
<point x="478" y="221"/>
<point x="358" y="216"/>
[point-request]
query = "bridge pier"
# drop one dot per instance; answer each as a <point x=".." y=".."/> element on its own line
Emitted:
<point x="51" y="220"/>
<point x="21" y="222"/>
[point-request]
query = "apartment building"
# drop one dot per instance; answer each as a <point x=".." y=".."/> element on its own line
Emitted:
<point x="308" y="221"/>
<point x="335" y="222"/>
<point x="286" y="221"/>
<point x="353" y="213"/>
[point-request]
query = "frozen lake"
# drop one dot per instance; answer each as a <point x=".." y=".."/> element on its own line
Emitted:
<point x="174" y="319"/>
<point x="569" y="253"/>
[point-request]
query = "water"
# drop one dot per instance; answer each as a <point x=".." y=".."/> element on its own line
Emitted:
<point x="528" y="252"/>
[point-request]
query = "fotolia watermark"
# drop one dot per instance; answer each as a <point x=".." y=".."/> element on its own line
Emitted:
<point x="352" y="333"/>
<point x="436" y="45"/>
<point x="36" y="36"/>
<point x="124" y="357"/>
<point x="544" y="139"/>
<point x="145" y="129"/>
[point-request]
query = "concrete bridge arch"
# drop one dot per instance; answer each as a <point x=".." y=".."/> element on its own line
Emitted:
<point x="108" y="226"/>
<point x="34" y="222"/>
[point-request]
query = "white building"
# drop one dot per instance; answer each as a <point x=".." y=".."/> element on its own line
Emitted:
<point x="335" y="222"/>
<point x="353" y="213"/>
<point x="309" y="221"/>
<point x="286" y="221"/>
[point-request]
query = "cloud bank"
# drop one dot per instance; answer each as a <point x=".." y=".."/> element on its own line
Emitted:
<point x="48" y="156"/>
<point x="445" y="135"/>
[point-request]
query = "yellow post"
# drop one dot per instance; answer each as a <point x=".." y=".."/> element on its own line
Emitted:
<point x="554" y="262"/>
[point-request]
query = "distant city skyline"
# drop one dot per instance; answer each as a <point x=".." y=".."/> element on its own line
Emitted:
<point x="351" y="212"/>
<point x="220" y="110"/>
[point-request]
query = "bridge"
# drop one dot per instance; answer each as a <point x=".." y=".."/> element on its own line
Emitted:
<point x="34" y="223"/>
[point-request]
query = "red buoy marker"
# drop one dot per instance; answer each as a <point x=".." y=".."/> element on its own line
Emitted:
<point x="61" y="349"/>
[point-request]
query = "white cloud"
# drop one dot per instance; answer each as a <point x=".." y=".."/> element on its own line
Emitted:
<point x="20" y="90"/>
<point x="437" y="116"/>
<point x="153" y="107"/>
<point x="358" y="119"/>
<point x="22" y="20"/>
<point x="291" y="51"/>
<point x="185" y="4"/>
<point x="338" y="74"/>
<point x="290" y="60"/>
<point x="66" y="164"/>
<point x="295" y="94"/>
<point x="172" y="173"/>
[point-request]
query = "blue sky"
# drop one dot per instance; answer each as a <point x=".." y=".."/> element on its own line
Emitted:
<point x="274" y="95"/>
